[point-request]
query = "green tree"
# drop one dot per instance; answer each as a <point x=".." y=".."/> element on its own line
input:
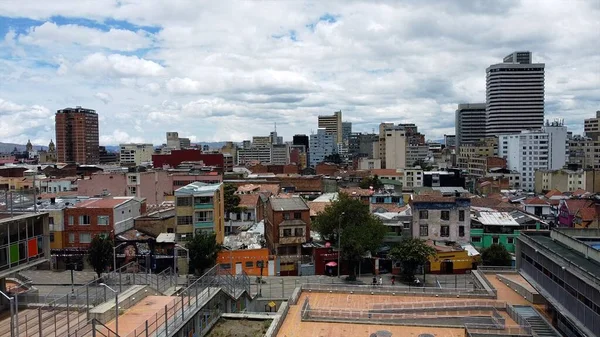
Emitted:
<point x="373" y="181"/>
<point x="203" y="252"/>
<point x="232" y="200"/>
<point x="411" y="253"/>
<point x="361" y="232"/>
<point x="100" y="254"/>
<point x="496" y="255"/>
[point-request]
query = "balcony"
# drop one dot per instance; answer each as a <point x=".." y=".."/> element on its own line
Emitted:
<point x="291" y="240"/>
<point x="204" y="206"/>
<point x="204" y="224"/>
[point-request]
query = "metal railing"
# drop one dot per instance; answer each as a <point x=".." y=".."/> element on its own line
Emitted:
<point x="497" y="268"/>
<point x="386" y="290"/>
<point x="191" y="300"/>
<point x="101" y="330"/>
<point x="493" y="330"/>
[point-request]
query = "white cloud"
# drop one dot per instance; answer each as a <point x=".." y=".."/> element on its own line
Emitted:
<point x="116" y="65"/>
<point x="119" y="137"/>
<point x="229" y="70"/>
<point x="104" y="97"/>
<point x="50" y="34"/>
<point x="20" y="122"/>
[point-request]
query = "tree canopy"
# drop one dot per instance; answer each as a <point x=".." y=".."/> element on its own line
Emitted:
<point x="411" y="253"/>
<point x="100" y="254"/>
<point x="203" y="249"/>
<point x="369" y="182"/>
<point x="496" y="255"/>
<point x="361" y="232"/>
<point x="232" y="201"/>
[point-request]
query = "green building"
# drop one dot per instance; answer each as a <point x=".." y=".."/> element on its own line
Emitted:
<point x="489" y="227"/>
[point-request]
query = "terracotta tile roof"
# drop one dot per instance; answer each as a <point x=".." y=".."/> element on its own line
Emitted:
<point x="588" y="214"/>
<point x="574" y="205"/>
<point x="357" y="191"/>
<point x="255" y="188"/>
<point x="498" y="196"/>
<point x="553" y="193"/>
<point x="535" y="201"/>
<point x="579" y="192"/>
<point x="386" y="172"/>
<point x="248" y="200"/>
<point x="432" y="198"/>
<point x="317" y="207"/>
<point x="485" y="202"/>
<point x="58" y="195"/>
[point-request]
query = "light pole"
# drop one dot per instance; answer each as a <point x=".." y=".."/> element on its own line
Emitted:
<point x="340" y="241"/>
<point x="115" y="255"/>
<point x="187" y="251"/>
<point x="116" y="306"/>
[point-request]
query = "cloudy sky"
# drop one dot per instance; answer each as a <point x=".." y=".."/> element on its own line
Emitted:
<point x="227" y="70"/>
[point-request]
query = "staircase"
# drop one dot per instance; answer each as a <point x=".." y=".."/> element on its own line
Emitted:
<point x="539" y="326"/>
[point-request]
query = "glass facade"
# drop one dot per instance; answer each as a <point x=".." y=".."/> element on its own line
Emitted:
<point x="23" y="239"/>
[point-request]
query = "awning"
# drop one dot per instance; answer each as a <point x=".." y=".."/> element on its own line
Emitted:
<point x="331" y="264"/>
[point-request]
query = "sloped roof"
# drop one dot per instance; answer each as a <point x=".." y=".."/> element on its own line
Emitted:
<point x="288" y="204"/>
<point x="553" y="193"/>
<point x="535" y="201"/>
<point x="579" y="192"/>
<point x="497" y="219"/>
<point x="386" y="172"/>
<point x="357" y="191"/>
<point x="248" y="200"/>
<point x="574" y="205"/>
<point x="317" y="207"/>
<point x="588" y="214"/>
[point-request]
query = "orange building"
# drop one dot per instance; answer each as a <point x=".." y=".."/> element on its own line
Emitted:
<point x="246" y="260"/>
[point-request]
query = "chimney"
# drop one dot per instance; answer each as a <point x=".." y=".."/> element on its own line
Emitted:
<point x="52" y="201"/>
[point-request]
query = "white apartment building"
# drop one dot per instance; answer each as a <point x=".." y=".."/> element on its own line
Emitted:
<point x="526" y="153"/>
<point x="135" y="154"/>
<point x="557" y="140"/>
<point x="412" y="177"/>
<point x="391" y="147"/>
<point x="321" y="145"/>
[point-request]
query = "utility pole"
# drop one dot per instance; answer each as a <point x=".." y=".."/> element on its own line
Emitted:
<point x="340" y="242"/>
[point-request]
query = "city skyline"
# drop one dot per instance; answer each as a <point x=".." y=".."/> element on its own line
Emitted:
<point x="225" y="72"/>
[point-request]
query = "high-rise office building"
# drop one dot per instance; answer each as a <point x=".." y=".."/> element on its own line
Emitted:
<point x="470" y="123"/>
<point x="301" y="140"/>
<point x="346" y="131"/>
<point x="514" y="95"/>
<point x="591" y="127"/>
<point x="322" y="144"/>
<point x="332" y="125"/>
<point x="77" y="136"/>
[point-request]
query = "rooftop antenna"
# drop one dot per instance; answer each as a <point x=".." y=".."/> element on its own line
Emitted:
<point x="275" y="126"/>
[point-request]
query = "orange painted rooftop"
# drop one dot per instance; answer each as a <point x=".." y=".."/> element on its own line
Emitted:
<point x="136" y="316"/>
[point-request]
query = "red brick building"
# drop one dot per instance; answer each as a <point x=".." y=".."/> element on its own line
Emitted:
<point x="107" y="216"/>
<point x="77" y="136"/>
<point x="287" y="227"/>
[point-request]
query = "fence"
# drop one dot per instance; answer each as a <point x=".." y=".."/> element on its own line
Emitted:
<point x="69" y="314"/>
<point x="386" y="290"/>
<point x="475" y="329"/>
<point x="191" y="300"/>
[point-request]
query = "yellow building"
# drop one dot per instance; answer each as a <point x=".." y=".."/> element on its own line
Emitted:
<point x="452" y="259"/>
<point x="200" y="207"/>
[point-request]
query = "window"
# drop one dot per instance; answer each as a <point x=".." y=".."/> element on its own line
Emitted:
<point x="51" y="220"/>
<point x="185" y="220"/>
<point x="85" y="238"/>
<point x="287" y="232"/>
<point x="204" y="216"/>
<point x="495" y="239"/>
<point x="461" y="231"/>
<point x="225" y="266"/>
<point x="510" y="240"/>
<point x="51" y="236"/>
<point x="476" y="239"/>
<point x="103" y="220"/>
<point x="71" y="220"/>
<point x="298" y="232"/>
<point x="132" y="190"/>
<point x="445" y="215"/>
<point x="84" y="220"/>
<point x="297" y="215"/>
<point x="424" y="230"/>
<point x="445" y="231"/>
<point x="461" y="215"/>
<point x="184" y="201"/>
<point x="71" y="237"/>
<point x="286" y="216"/>
<point x="249" y="264"/>
<point x="423" y="214"/>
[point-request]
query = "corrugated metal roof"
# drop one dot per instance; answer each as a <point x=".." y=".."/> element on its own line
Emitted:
<point x="166" y="237"/>
<point x="497" y="219"/>
<point x="198" y="188"/>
